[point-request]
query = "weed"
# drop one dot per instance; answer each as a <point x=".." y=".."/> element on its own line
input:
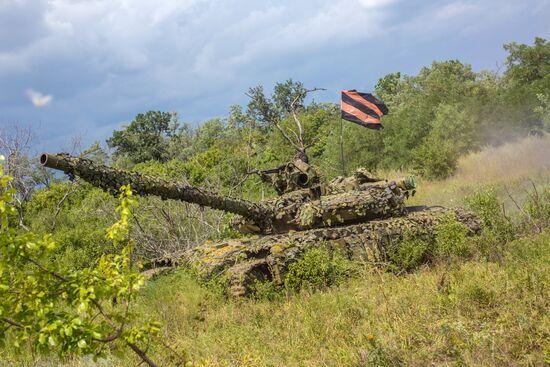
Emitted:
<point x="266" y="290"/>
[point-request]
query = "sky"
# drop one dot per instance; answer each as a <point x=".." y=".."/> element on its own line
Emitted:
<point x="79" y="69"/>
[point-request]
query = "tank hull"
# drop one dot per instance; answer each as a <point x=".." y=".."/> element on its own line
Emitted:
<point x="266" y="258"/>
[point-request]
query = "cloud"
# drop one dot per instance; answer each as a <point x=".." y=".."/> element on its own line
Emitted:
<point x="460" y="18"/>
<point x="375" y="4"/>
<point x="454" y="9"/>
<point x="26" y="20"/>
<point x="107" y="60"/>
<point x="38" y="99"/>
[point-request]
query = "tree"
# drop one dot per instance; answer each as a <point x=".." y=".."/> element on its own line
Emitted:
<point x="286" y="102"/>
<point x="543" y="110"/>
<point x="26" y="173"/>
<point x="414" y="102"/>
<point x="95" y="153"/>
<point x="527" y="75"/>
<point x="529" y="65"/>
<point x="146" y="137"/>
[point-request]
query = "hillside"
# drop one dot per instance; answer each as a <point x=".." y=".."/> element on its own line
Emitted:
<point x="511" y="168"/>
<point x="487" y="308"/>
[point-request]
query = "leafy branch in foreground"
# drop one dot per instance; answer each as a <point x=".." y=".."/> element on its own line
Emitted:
<point x="73" y="312"/>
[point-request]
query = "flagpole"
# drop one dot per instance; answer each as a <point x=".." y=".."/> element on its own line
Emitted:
<point x="342" y="146"/>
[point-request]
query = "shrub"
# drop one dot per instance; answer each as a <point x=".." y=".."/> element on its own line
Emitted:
<point x="409" y="254"/>
<point x="76" y="312"/>
<point x="266" y="290"/>
<point x="319" y="268"/>
<point x="435" y="158"/>
<point x="451" y="239"/>
<point x="497" y="228"/>
<point x="537" y="209"/>
<point x="219" y="284"/>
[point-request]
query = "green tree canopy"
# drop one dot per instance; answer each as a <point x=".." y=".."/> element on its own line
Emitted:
<point x="146" y="137"/>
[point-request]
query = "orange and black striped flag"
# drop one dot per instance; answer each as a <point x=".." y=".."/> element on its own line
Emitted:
<point x="362" y="108"/>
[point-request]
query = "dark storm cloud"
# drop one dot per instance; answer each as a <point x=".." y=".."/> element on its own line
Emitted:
<point x="22" y="23"/>
<point x="105" y="61"/>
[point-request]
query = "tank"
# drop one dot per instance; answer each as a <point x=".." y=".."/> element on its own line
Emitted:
<point x="360" y="215"/>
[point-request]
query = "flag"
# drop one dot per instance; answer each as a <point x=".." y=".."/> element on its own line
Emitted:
<point x="362" y="108"/>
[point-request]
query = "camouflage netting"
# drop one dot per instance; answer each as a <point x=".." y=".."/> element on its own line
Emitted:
<point x="296" y="210"/>
<point x="267" y="258"/>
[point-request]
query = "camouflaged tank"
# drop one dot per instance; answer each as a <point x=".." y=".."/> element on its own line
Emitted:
<point x="360" y="215"/>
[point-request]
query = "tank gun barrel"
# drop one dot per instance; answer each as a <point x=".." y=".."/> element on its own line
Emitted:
<point x="111" y="179"/>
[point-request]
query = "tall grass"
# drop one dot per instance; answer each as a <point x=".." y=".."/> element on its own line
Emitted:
<point x="512" y="169"/>
<point x="474" y="314"/>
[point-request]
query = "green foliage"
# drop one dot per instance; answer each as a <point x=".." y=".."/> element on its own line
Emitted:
<point x="269" y="110"/>
<point x="219" y="284"/>
<point x="437" y="115"/>
<point x="527" y="76"/>
<point x="145" y="138"/>
<point x="451" y="239"/>
<point x="452" y="134"/>
<point x="379" y="356"/>
<point x="529" y="64"/>
<point x="497" y="228"/>
<point x="435" y="158"/>
<point x="76" y="311"/>
<point x="76" y="216"/>
<point x="409" y="254"/>
<point x="449" y="242"/>
<point x="474" y="313"/>
<point x="95" y="153"/>
<point x="543" y="110"/>
<point x="319" y="268"/>
<point x="266" y="290"/>
<point x="537" y="208"/>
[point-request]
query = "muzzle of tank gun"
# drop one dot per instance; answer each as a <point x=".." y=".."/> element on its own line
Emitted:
<point x="53" y="161"/>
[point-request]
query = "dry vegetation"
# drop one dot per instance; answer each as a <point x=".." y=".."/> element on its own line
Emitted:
<point x="511" y="168"/>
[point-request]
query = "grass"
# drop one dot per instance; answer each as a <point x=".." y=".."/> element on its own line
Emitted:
<point x="477" y="313"/>
<point x="474" y="313"/>
<point x="512" y="168"/>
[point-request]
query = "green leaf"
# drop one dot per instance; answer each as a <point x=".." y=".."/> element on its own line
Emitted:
<point x="52" y="340"/>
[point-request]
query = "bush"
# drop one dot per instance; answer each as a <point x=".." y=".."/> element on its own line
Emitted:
<point x="319" y="268"/>
<point x="497" y="228"/>
<point x="266" y="290"/>
<point x="451" y="239"/>
<point x="409" y="254"/>
<point x="537" y="208"/>
<point x="436" y="158"/>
